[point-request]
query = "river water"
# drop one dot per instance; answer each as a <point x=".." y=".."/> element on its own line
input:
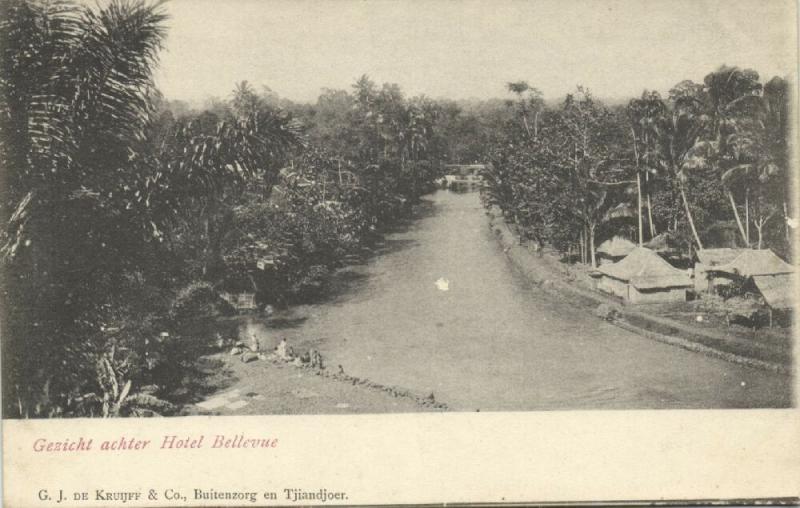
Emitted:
<point x="491" y="341"/>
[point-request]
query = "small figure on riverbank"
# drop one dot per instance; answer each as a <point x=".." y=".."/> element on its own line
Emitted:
<point x="280" y="349"/>
<point x="316" y="359"/>
<point x="254" y="346"/>
<point x="284" y="351"/>
<point x="219" y="341"/>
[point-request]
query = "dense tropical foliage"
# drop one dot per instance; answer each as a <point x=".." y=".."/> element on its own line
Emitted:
<point x="705" y="167"/>
<point x="126" y="215"/>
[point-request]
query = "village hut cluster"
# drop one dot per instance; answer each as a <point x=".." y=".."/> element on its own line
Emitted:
<point x="758" y="272"/>
<point x="644" y="277"/>
<point x="750" y="280"/>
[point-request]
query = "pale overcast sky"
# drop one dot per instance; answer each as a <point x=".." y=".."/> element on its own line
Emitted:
<point x="463" y="49"/>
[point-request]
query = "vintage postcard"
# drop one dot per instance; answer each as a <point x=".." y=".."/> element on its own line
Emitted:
<point x="357" y="252"/>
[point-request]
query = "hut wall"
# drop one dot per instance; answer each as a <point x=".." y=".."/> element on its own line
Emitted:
<point x="660" y="295"/>
<point x="701" y="280"/>
<point x="614" y="286"/>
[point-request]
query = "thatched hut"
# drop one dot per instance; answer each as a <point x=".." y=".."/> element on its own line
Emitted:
<point x="669" y="247"/>
<point x="778" y="290"/>
<point x="644" y="277"/>
<point x="662" y="242"/>
<point x="614" y="249"/>
<point x="707" y="259"/>
<point x="771" y="276"/>
<point x="754" y="263"/>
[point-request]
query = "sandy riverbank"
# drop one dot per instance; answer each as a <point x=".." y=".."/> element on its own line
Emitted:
<point x="276" y="387"/>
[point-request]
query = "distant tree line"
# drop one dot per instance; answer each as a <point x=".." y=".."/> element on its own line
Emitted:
<point x="707" y="166"/>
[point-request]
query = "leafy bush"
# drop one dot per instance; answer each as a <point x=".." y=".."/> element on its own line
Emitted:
<point x="198" y="301"/>
<point x="737" y="287"/>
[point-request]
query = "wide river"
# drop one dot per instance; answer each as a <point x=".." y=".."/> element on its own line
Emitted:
<point x="492" y="342"/>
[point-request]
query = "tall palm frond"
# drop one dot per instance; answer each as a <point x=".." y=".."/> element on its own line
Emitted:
<point x="76" y="90"/>
<point x="240" y="149"/>
<point x="77" y="85"/>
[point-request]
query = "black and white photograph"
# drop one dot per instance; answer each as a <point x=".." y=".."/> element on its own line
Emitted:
<point x="369" y="207"/>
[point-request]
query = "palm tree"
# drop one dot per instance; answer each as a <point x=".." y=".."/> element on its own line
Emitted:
<point x="88" y="194"/>
<point x="677" y="133"/>
<point x="643" y="113"/>
<point x="245" y="101"/>
<point x="532" y="103"/>
<point x="204" y="169"/>
<point x="756" y="155"/>
<point x="734" y="97"/>
<point x="76" y="88"/>
<point x="775" y="99"/>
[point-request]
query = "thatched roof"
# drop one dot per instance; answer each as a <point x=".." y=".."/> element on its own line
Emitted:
<point x="644" y="269"/>
<point x="712" y="257"/>
<point x="777" y="290"/>
<point x="755" y="262"/>
<point x="663" y="242"/>
<point x="622" y="210"/>
<point x="616" y="247"/>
